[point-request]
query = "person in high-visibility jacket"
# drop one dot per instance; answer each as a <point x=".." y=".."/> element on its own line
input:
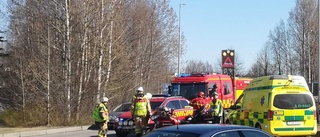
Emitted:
<point x="141" y="111"/>
<point x="101" y="117"/>
<point x="217" y="108"/>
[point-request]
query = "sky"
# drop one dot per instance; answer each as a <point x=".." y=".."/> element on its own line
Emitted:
<point x="210" y="26"/>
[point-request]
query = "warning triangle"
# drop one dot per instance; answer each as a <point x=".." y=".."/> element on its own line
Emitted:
<point x="227" y="63"/>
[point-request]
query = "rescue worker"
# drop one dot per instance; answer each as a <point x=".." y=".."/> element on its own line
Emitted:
<point x="141" y="111"/>
<point x="199" y="104"/>
<point x="101" y="117"/>
<point x="216" y="106"/>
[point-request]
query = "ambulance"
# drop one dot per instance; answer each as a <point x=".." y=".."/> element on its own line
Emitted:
<point x="281" y="105"/>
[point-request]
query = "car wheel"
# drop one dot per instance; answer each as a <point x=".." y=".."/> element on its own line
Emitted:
<point x="258" y="126"/>
<point x="122" y="134"/>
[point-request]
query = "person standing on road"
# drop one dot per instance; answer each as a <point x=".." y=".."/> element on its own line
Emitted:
<point x="216" y="106"/>
<point x="101" y="117"/>
<point x="141" y="111"/>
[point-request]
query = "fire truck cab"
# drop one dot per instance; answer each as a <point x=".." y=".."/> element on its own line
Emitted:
<point x="227" y="87"/>
<point x="189" y="86"/>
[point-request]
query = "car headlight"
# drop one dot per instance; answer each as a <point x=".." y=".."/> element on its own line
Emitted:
<point x="111" y="118"/>
<point x="125" y="122"/>
<point x="154" y="117"/>
<point x="120" y="123"/>
<point x="117" y="120"/>
<point x="130" y="123"/>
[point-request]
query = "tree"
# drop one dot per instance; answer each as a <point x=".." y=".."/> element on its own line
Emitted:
<point x="198" y="67"/>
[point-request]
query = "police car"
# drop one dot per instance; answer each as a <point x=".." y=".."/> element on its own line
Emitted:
<point x="179" y="104"/>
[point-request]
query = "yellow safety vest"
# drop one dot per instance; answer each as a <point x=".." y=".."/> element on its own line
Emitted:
<point x="140" y="107"/>
<point x="96" y="113"/>
<point x="217" y="108"/>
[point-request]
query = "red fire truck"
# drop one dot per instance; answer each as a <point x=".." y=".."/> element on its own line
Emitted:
<point x="228" y="88"/>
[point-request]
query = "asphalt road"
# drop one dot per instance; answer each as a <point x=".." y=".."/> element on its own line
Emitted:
<point x="83" y="133"/>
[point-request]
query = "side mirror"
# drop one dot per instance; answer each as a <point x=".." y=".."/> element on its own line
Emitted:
<point x="172" y="111"/>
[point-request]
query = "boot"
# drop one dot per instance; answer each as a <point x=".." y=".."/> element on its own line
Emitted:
<point x="138" y="135"/>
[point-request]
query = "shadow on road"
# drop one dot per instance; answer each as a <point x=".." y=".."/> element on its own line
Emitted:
<point x="93" y="127"/>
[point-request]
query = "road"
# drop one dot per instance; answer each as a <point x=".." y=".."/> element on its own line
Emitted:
<point x="83" y="133"/>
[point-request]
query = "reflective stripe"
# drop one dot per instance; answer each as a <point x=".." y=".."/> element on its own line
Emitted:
<point x="96" y="113"/>
<point x="140" y="107"/>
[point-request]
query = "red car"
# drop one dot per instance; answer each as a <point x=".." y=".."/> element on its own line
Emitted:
<point x="179" y="105"/>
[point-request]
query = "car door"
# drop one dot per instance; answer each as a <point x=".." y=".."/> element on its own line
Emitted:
<point x="188" y="110"/>
<point x="178" y="110"/>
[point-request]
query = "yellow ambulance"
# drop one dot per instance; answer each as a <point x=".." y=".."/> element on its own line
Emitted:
<point x="281" y="105"/>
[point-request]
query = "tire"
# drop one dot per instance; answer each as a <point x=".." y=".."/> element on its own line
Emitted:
<point x="258" y="126"/>
<point x="122" y="134"/>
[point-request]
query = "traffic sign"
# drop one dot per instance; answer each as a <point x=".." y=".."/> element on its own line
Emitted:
<point x="228" y="58"/>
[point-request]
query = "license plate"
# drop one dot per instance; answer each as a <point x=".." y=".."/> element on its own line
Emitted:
<point x="294" y="123"/>
<point x="127" y="127"/>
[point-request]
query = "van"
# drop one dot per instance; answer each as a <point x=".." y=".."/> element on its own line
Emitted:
<point x="281" y="105"/>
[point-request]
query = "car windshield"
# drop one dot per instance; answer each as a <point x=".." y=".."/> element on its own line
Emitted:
<point x="170" y="134"/>
<point x="189" y="91"/>
<point x="292" y="101"/>
<point x="123" y="108"/>
<point x="154" y="105"/>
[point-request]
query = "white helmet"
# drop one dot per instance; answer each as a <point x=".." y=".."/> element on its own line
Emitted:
<point x="140" y="89"/>
<point x="148" y="95"/>
<point x="105" y="99"/>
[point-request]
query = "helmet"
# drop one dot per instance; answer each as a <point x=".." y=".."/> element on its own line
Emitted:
<point x="140" y="89"/>
<point x="105" y="99"/>
<point x="148" y="95"/>
<point x="201" y="94"/>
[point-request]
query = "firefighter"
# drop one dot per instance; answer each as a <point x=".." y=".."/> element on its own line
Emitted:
<point x="199" y="105"/>
<point x="216" y="106"/>
<point x="141" y="111"/>
<point x="101" y="117"/>
<point x="198" y="102"/>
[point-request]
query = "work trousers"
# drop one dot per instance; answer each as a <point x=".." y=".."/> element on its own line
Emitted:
<point x="216" y="119"/>
<point x="102" y="129"/>
<point x="140" y="122"/>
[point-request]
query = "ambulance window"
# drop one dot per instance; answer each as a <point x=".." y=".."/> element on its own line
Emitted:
<point x="292" y="101"/>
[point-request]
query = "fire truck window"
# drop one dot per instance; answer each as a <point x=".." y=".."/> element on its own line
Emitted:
<point x="227" y="87"/>
<point x="190" y="91"/>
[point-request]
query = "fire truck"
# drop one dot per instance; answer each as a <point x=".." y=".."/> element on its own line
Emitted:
<point x="227" y="87"/>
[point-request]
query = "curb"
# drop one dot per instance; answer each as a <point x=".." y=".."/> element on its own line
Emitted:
<point x="44" y="131"/>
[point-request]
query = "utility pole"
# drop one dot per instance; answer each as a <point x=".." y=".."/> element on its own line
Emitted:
<point x="179" y="45"/>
